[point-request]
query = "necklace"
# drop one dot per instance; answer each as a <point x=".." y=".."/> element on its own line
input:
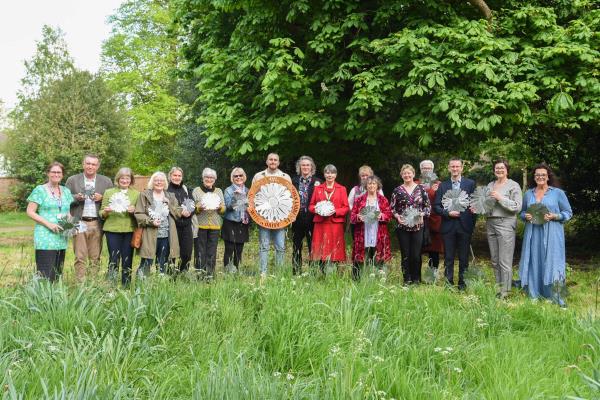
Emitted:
<point x="329" y="195"/>
<point x="56" y="198"/>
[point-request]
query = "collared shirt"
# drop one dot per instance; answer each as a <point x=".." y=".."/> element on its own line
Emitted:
<point x="455" y="184"/>
<point x="89" y="207"/>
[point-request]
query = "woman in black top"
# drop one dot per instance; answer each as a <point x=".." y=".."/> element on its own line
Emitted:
<point x="185" y="231"/>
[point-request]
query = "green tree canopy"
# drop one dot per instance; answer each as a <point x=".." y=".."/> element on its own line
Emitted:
<point x="140" y="63"/>
<point x="433" y="74"/>
<point x="71" y="116"/>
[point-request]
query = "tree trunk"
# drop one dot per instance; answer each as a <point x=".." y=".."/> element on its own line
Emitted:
<point x="483" y="8"/>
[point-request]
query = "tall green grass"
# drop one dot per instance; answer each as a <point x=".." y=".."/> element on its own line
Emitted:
<point x="293" y="337"/>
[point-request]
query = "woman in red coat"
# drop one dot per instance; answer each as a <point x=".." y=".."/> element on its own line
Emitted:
<point x="329" y="203"/>
<point x="371" y="238"/>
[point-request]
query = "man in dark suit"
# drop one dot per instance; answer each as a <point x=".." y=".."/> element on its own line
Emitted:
<point x="305" y="181"/>
<point x="88" y="189"/>
<point x="457" y="227"/>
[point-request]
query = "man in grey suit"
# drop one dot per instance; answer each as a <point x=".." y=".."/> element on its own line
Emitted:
<point x="87" y="189"/>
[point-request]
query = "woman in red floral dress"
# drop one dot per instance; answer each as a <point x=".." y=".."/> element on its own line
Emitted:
<point x="329" y="203"/>
<point x="371" y="239"/>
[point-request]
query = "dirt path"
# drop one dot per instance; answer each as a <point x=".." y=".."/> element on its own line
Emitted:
<point x="16" y="228"/>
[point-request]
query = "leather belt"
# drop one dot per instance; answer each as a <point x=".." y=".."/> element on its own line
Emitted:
<point x="89" y="219"/>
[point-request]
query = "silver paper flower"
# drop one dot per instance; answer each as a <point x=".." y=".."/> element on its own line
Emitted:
<point x="119" y="202"/>
<point x="71" y="226"/>
<point x="210" y="201"/>
<point x="455" y="200"/>
<point x="273" y="202"/>
<point x="428" y="178"/>
<point x="411" y="217"/>
<point x="370" y="214"/>
<point x="89" y="192"/>
<point x="537" y="211"/>
<point x="159" y="211"/>
<point x="189" y="205"/>
<point x="481" y="200"/>
<point x="325" y="208"/>
<point x="240" y="202"/>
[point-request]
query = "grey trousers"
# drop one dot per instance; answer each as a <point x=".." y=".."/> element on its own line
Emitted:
<point x="501" y="234"/>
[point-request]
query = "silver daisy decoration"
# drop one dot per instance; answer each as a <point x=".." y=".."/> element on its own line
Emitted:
<point x="189" y="205"/>
<point x="411" y="216"/>
<point x="325" y="208"/>
<point x="273" y="202"/>
<point x="370" y="214"/>
<point x="210" y="201"/>
<point x="481" y="200"/>
<point x="119" y="202"/>
<point x="455" y="200"/>
<point x="159" y="211"/>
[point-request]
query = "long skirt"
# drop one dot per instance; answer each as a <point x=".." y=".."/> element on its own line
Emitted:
<point x="328" y="242"/>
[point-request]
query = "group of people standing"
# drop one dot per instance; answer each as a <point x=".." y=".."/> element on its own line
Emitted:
<point x="174" y="226"/>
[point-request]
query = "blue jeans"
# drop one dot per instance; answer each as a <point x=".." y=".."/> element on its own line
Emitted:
<point x="265" y="237"/>
<point x="162" y="257"/>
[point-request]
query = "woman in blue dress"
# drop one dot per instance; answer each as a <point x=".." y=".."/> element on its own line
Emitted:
<point x="47" y="204"/>
<point x="542" y="266"/>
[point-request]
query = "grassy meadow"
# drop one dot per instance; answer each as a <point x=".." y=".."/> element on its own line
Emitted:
<point x="306" y="337"/>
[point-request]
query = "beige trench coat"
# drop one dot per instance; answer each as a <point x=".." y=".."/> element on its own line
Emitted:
<point x="150" y="232"/>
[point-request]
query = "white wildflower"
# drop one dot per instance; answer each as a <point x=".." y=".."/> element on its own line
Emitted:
<point x="437" y="349"/>
<point x="289" y="376"/>
<point x="276" y="374"/>
<point x="458" y="370"/>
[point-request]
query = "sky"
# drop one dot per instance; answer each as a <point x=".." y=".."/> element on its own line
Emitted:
<point x="82" y="21"/>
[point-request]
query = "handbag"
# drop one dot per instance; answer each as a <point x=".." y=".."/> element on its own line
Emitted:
<point x="136" y="239"/>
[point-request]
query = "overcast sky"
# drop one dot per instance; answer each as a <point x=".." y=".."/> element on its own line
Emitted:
<point x="21" y="21"/>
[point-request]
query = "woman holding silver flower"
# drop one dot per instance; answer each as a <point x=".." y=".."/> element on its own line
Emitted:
<point x="118" y="205"/>
<point x="210" y="205"/>
<point x="47" y="204"/>
<point x="410" y="204"/>
<point x="185" y="233"/>
<point x="501" y="224"/>
<point x="236" y="219"/>
<point x="156" y="211"/>
<point x="329" y="203"/>
<point x="542" y="268"/>
<point x="370" y="214"/>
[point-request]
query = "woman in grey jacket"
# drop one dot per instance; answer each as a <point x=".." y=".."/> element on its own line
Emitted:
<point x="501" y="225"/>
<point x="236" y="220"/>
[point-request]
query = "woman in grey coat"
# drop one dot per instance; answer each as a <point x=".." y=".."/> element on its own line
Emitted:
<point x="501" y="224"/>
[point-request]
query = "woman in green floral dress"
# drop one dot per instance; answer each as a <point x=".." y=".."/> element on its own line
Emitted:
<point x="47" y="204"/>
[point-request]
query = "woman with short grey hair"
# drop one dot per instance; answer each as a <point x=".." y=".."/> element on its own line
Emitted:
<point x="210" y="205"/>
<point x="329" y="203"/>
<point x="156" y="211"/>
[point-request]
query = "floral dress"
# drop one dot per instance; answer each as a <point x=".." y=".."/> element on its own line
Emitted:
<point x="51" y="208"/>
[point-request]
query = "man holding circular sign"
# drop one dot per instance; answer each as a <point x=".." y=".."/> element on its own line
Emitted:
<point x="268" y="204"/>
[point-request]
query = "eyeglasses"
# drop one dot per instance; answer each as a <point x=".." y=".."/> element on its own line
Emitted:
<point x="238" y="176"/>
<point x="56" y="172"/>
<point x="540" y="175"/>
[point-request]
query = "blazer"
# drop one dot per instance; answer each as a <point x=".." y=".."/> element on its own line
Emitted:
<point x="76" y="185"/>
<point x="466" y="219"/>
<point x="339" y="200"/>
<point x="311" y="186"/>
